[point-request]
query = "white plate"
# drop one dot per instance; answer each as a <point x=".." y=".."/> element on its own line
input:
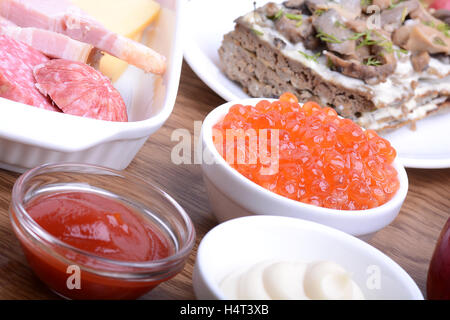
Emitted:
<point x="206" y="21"/>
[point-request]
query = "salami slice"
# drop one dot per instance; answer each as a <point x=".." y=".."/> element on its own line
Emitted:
<point x="80" y="90"/>
<point x="17" y="82"/>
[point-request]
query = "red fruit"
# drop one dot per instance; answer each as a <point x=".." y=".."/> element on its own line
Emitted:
<point x="440" y="4"/>
<point x="80" y="90"/>
<point x="438" y="282"/>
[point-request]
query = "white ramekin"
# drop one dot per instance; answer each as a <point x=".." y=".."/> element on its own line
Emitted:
<point x="30" y="137"/>
<point x="232" y="195"/>
<point x="240" y="243"/>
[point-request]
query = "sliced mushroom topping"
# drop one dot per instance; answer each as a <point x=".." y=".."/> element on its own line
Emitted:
<point x="357" y="25"/>
<point x="331" y="29"/>
<point x="422" y="14"/>
<point x="351" y="5"/>
<point x="420" y="37"/>
<point x="401" y="35"/>
<point x="348" y="9"/>
<point x="296" y="4"/>
<point x="271" y="9"/>
<point x="294" y="27"/>
<point x="382" y="4"/>
<point x="314" y="5"/>
<point x="311" y="42"/>
<point x="362" y="53"/>
<point x="443" y="15"/>
<point x="420" y="61"/>
<point x="373" y="69"/>
<point x="393" y="18"/>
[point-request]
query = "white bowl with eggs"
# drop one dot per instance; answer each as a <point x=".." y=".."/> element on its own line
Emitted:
<point x="240" y="243"/>
<point x="232" y="195"/>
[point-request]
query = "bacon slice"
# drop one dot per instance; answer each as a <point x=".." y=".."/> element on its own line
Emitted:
<point x="62" y="17"/>
<point x="52" y="44"/>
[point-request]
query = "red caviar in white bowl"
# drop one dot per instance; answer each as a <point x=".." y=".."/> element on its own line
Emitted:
<point x="324" y="160"/>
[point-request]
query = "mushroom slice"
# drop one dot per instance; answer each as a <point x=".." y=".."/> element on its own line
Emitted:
<point x="360" y="70"/>
<point x="296" y="30"/>
<point x="331" y="29"/>
<point x="422" y="14"/>
<point x="382" y="4"/>
<point x="425" y="38"/>
<point x="349" y="9"/>
<point x="420" y="61"/>
<point x="393" y="18"/>
<point x="295" y="4"/>
<point x="443" y="15"/>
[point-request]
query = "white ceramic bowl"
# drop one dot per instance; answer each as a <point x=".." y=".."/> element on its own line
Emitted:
<point x="240" y="243"/>
<point x="30" y="137"/>
<point x="232" y="195"/>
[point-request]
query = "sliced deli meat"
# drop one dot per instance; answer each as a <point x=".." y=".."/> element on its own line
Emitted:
<point x="52" y="44"/>
<point x="17" y="82"/>
<point x="80" y="90"/>
<point x="62" y="16"/>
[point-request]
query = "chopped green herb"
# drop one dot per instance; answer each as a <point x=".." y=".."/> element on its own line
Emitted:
<point x="444" y="28"/>
<point x="366" y="39"/>
<point x="309" y="57"/>
<point x="327" y="37"/>
<point x="366" y="3"/>
<point x="429" y="23"/>
<point x="389" y="46"/>
<point x="330" y="63"/>
<point x="319" y="12"/>
<point x="395" y="4"/>
<point x="356" y="36"/>
<point x="404" y="14"/>
<point x="439" y="41"/>
<point x="339" y="24"/>
<point x="257" y="32"/>
<point x="291" y="16"/>
<point x="297" y="17"/>
<point x="371" y="61"/>
<point x="278" y="14"/>
<point x="400" y="51"/>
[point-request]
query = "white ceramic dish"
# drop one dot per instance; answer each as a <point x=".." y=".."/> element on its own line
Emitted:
<point x="242" y="242"/>
<point x="232" y="195"/>
<point x="427" y="147"/>
<point x="30" y="136"/>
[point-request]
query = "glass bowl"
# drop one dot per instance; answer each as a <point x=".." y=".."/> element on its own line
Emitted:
<point x="53" y="260"/>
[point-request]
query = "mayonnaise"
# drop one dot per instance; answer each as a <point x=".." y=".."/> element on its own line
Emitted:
<point x="274" y="280"/>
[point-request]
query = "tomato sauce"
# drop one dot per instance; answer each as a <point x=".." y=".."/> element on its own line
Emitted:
<point x="100" y="226"/>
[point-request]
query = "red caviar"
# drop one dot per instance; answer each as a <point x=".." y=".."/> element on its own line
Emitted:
<point x="324" y="160"/>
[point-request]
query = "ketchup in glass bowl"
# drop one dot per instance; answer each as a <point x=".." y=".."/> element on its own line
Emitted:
<point x="94" y="233"/>
<point x="438" y="282"/>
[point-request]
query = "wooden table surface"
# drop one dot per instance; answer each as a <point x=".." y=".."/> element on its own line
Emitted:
<point x="409" y="240"/>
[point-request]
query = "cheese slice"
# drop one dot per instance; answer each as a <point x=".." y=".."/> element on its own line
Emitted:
<point x="125" y="17"/>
